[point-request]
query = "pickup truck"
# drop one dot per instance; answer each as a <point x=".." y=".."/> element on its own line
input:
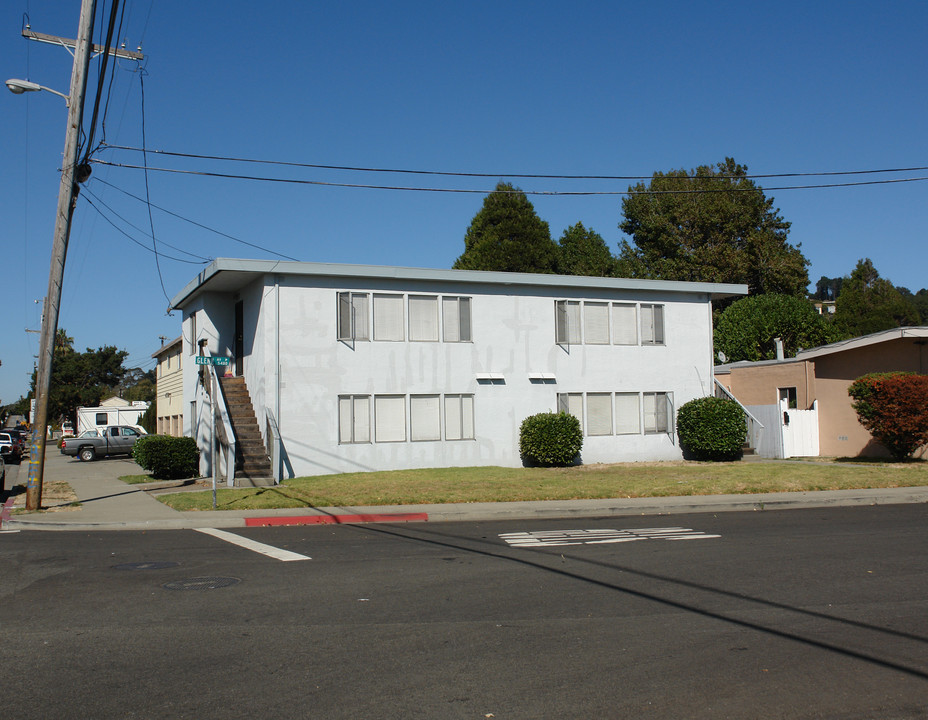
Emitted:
<point x="112" y="440"/>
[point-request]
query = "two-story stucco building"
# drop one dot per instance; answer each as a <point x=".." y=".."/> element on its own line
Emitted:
<point x="374" y="368"/>
<point x="169" y="388"/>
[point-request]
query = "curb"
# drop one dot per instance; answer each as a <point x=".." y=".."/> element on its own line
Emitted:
<point x="488" y="512"/>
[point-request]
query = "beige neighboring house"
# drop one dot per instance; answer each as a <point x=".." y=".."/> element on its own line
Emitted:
<point x="807" y="395"/>
<point x="169" y="379"/>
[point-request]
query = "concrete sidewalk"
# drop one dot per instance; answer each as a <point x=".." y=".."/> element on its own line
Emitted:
<point x="107" y="503"/>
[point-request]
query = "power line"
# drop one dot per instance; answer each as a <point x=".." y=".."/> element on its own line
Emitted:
<point x="314" y="166"/>
<point x="127" y="235"/>
<point x="137" y="228"/>
<point x="204" y="173"/>
<point x="194" y="222"/>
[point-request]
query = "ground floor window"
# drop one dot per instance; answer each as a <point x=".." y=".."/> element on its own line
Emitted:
<point x="398" y="418"/>
<point x="620" y="413"/>
<point x="354" y="418"/>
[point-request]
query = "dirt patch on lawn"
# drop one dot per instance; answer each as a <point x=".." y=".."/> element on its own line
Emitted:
<point x="57" y="496"/>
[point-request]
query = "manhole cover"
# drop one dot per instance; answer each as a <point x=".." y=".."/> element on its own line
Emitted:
<point x="201" y="583"/>
<point x="150" y="565"/>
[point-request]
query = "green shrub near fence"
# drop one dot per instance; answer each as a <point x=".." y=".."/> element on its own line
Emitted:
<point x="712" y="428"/>
<point x="166" y="457"/>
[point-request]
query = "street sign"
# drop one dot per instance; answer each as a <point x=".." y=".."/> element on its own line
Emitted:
<point x="204" y="360"/>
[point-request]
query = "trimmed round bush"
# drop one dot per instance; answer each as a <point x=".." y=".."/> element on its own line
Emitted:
<point x="550" y="439"/>
<point x="712" y="428"/>
<point x="166" y="457"/>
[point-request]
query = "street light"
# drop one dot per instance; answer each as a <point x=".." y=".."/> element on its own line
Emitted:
<point x="18" y="87"/>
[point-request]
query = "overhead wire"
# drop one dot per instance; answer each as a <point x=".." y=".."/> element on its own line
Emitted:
<point x="99" y="201"/>
<point x="553" y="193"/>
<point x="534" y="176"/>
<point x="195" y="223"/>
<point x="93" y="204"/>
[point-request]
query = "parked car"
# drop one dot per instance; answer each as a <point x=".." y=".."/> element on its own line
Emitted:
<point x="10" y="448"/>
<point x="112" y="440"/>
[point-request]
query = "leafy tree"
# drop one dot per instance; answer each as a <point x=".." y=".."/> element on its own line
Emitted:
<point x="869" y="303"/>
<point x="747" y="328"/>
<point x="138" y="385"/>
<point x="506" y="235"/>
<point x="894" y="408"/>
<point x="711" y="224"/>
<point x="919" y="300"/>
<point x="584" y="252"/>
<point x="827" y="288"/>
<point x="82" y="379"/>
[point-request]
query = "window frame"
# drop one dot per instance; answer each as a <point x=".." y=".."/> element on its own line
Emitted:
<point x="462" y="313"/>
<point x="466" y="419"/>
<point x="353" y="420"/>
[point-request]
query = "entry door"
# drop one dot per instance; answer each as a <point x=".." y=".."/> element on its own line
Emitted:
<point x="239" y="338"/>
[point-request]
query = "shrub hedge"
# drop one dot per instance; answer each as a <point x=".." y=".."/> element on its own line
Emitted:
<point x="166" y="457"/>
<point x="712" y="428"/>
<point x="894" y="408"/>
<point x="550" y="439"/>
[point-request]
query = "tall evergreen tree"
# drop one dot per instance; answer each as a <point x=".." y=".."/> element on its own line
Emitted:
<point x="712" y="224"/>
<point x="869" y="303"/>
<point x="584" y="252"/>
<point x="506" y="235"/>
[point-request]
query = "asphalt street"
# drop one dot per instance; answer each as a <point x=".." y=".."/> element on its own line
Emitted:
<point x="812" y="613"/>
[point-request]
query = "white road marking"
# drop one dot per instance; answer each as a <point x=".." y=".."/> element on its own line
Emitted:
<point x="269" y="550"/>
<point x="553" y="538"/>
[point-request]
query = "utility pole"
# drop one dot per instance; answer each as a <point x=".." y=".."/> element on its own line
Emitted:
<point x="71" y="175"/>
<point x="67" y="197"/>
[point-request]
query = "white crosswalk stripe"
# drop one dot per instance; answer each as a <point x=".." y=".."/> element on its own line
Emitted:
<point x="600" y="536"/>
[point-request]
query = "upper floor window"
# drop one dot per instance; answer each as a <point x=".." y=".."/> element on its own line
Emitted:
<point x="567" y="322"/>
<point x="652" y="324"/>
<point x="388" y="318"/>
<point x="590" y="323"/>
<point x="395" y="317"/>
<point x="423" y="318"/>
<point x="455" y="318"/>
<point x="353" y="316"/>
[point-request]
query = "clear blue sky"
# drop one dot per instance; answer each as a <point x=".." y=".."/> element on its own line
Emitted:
<point x="588" y="88"/>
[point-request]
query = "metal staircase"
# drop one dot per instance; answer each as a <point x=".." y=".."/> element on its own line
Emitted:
<point x="252" y="466"/>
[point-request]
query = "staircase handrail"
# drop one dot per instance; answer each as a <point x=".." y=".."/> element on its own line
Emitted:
<point x="274" y="444"/>
<point x="225" y="433"/>
<point x="754" y="425"/>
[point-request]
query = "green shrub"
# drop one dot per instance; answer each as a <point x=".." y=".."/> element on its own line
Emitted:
<point x="166" y="457"/>
<point x="712" y="428"/>
<point x="550" y="439"/>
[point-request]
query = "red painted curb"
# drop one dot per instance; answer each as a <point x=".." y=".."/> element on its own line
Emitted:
<point x="5" y="512"/>
<point x="335" y="519"/>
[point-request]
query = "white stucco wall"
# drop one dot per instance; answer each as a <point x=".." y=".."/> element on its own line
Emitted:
<point x="513" y="332"/>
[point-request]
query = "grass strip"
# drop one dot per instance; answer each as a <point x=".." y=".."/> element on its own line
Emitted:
<point x="498" y="484"/>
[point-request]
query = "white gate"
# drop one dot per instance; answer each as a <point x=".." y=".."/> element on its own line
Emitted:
<point x="800" y="430"/>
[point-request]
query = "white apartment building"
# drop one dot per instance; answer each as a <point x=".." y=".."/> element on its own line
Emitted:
<point x="376" y="368"/>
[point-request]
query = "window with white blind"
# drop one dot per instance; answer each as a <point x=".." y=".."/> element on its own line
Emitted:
<point x="599" y="413"/>
<point x="388" y="318"/>
<point x="571" y="403"/>
<point x="389" y="418"/>
<point x="627" y="414"/>
<point x="652" y="324"/>
<point x="455" y="319"/>
<point x="459" y="417"/>
<point x="423" y="318"/>
<point x="596" y="323"/>
<point x="624" y="324"/>
<point x="567" y="322"/>
<point x="655" y="412"/>
<point x="424" y="417"/>
<point x="353" y="316"/>
<point x="354" y="418"/>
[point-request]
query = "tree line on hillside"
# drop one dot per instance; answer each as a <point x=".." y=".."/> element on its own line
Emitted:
<point x="84" y="379"/>
<point x="713" y="224"/>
